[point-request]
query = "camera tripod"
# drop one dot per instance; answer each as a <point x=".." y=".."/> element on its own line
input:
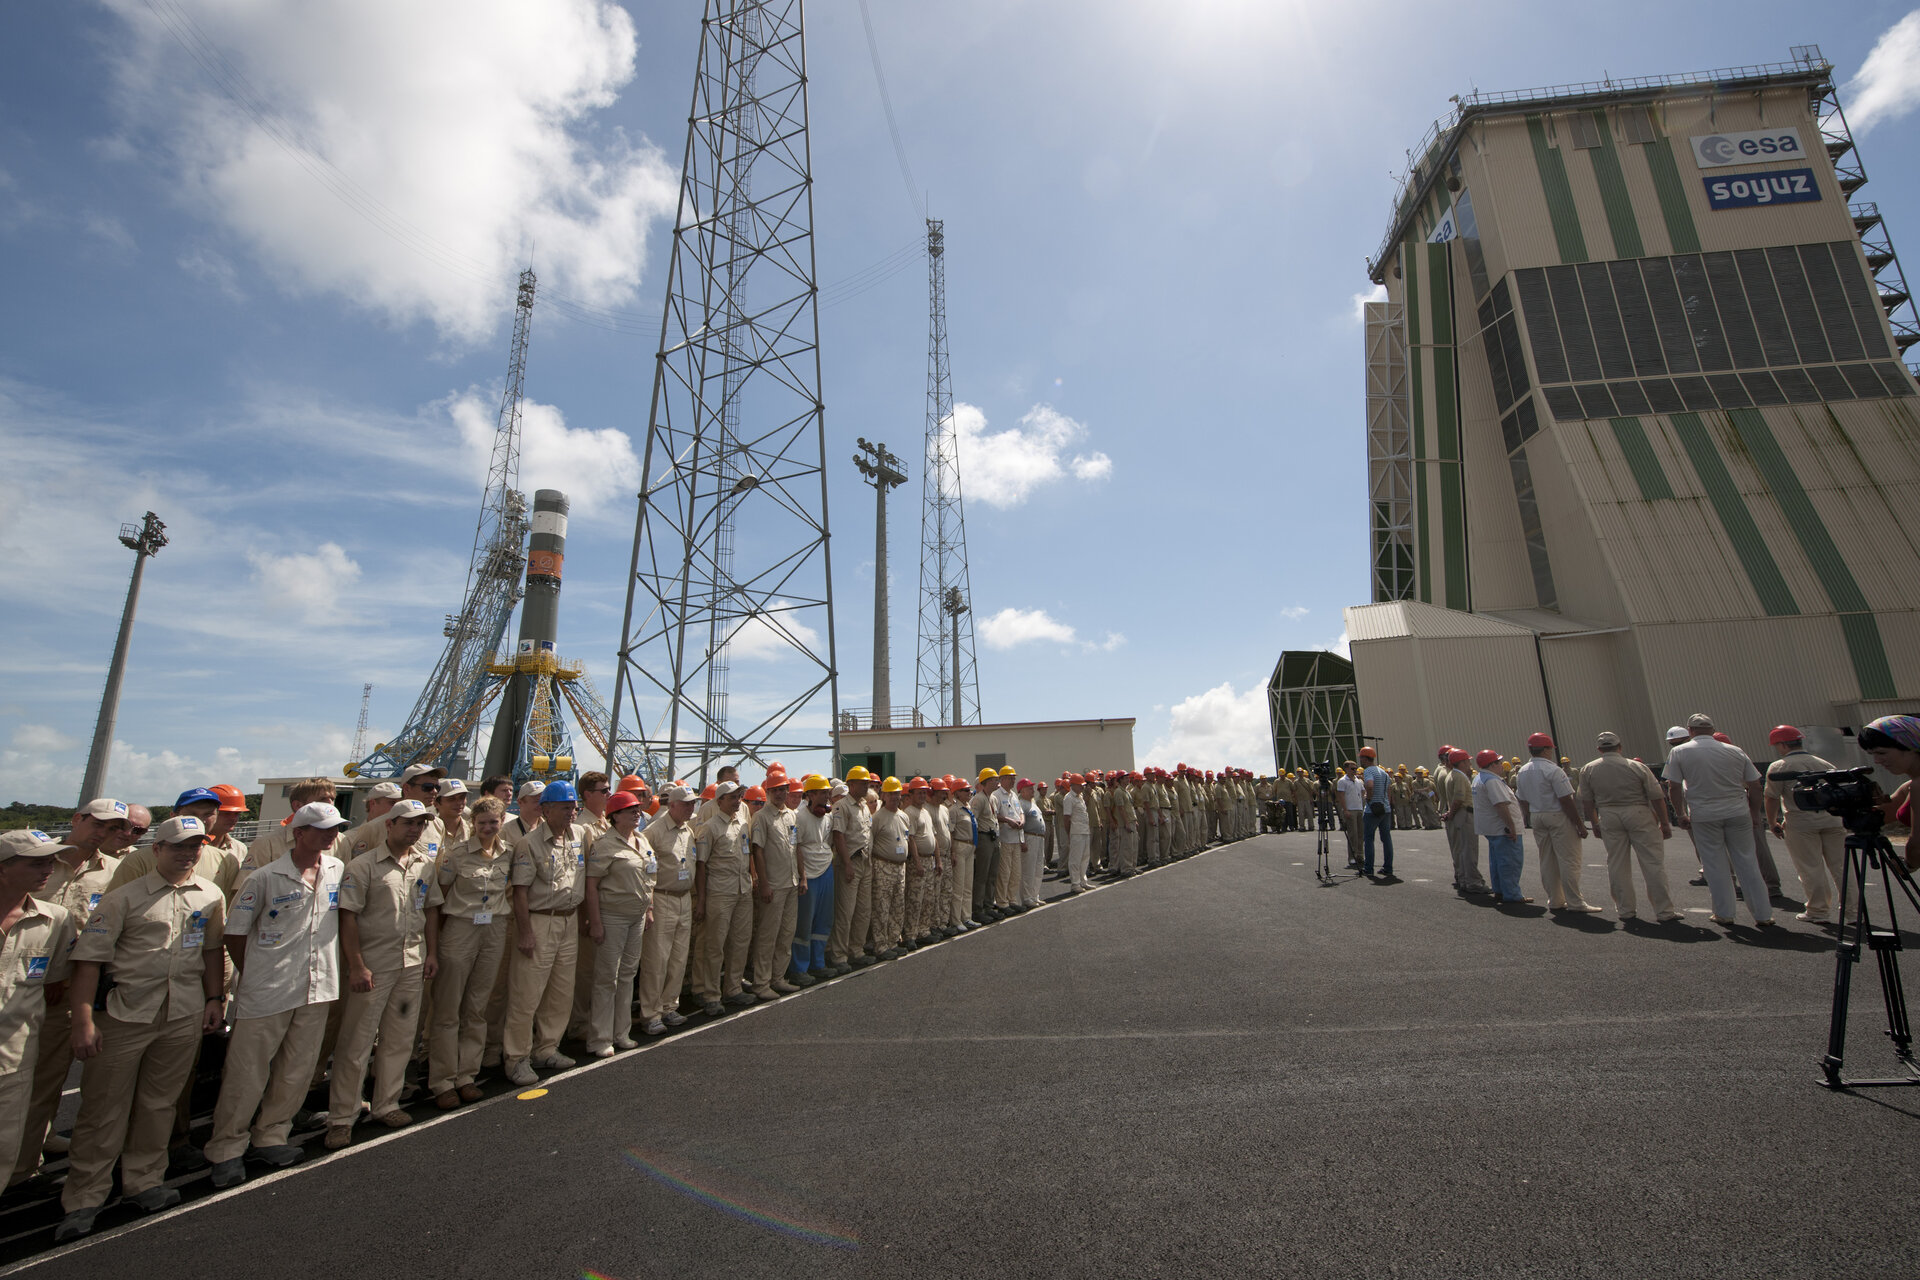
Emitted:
<point x="1869" y="850"/>
<point x="1323" y="821"/>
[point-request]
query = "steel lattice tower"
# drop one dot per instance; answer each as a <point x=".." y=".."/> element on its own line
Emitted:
<point x="731" y="534"/>
<point x="444" y="724"/>
<point x="946" y="682"/>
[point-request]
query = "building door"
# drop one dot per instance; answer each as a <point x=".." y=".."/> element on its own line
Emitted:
<point x="878" y="763"/>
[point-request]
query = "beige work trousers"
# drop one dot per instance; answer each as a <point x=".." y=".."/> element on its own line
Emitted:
<point x="721" y="967"/>
<point x="1350" y="823"/>
<point x="580" y="1020"/>
<point x="852" y="909"/>
<point x="1630" y="832"/>
<point x="470" y="956"/>
<point x="127" y="1096"/>
<point x="540" y="990"/>
<point x="889" y="903"/>
<point x="388" y="1016"/>
<point x="960" y="886"/>
<point x="1558" y="850"/>
<point x="616" y="963"/>
<point x="1006" y="873"/>
<point x="1820" y="858"/>
<point x="772" y="951"/>
<point x="919" y="876"/>
<point x="49" y="1077"/>
<point x="1120" y="847"/>
<point x="663" y="954"/>
<point x="268" y="1070"/>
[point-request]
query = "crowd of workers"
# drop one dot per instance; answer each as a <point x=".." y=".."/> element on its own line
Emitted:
<point x="446" y="935"/>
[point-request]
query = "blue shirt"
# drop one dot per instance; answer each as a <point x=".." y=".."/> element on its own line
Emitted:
<point x="1378" y="777"/>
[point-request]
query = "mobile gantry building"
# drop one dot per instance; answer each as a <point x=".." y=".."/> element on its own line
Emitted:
<point x="1640" y="436"/>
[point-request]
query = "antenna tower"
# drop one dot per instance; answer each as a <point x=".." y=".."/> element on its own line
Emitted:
<point x="944" y="692"/>
<point x="360" y="730"/>
<point x="442" y="727"/>
<point x="730" y="541"/>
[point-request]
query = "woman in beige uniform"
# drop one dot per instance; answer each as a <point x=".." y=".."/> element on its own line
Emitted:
<point x="467" y="934"/>
<point x="620" y="874"/>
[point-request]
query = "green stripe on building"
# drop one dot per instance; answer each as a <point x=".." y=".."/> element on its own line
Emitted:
<point x="1862" y="631"/>
<point x="1440" y="295"/>
<point x="1453" y="507"/>
<point x="1673" y="197"/>
<point x="1409" y="266"/>
<point x="1762" y="570"/>
<point x="1612" y="182"/>
<point x="1559" y="193"/>
<point x="1453" y="517"/>
<point x="1641" y="459"/>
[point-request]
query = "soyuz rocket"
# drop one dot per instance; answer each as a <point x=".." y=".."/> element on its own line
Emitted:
<point x="539" y="626"/>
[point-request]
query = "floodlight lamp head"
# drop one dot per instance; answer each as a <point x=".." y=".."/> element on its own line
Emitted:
<point x="746" y="482"/>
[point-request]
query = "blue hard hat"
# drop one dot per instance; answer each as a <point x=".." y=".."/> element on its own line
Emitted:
<point x="194" y="796"/>
<point x="559" y="792"/>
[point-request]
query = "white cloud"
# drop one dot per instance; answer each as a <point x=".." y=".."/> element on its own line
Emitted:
<point x="1293" y="613"/>
<point x="109" y="229"/>
<point x="1003" y="468"/>
<point x="1217" y="728"/>
<point x="42" y="737"/>
<point x="408" y="157"/>
<point x="756" y="637"/>
<point x="1011" y="627"/>
<point x="1888" y="84"/>
<point x="1360" y="300"/>
<point x="211" y="268"/>
<point x="1113" y="641"/>
<point x="593" y="468"/>
<point x="1336" y="645"/>
<point x="156" y="777"/>
<point x="307" y="586"/>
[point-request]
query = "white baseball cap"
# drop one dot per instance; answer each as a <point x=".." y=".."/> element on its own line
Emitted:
<point x="678" y="795"/>
<point x="726" y="789"/>
<point x="28" y="844"/>
<point x="318" y="814"/>
<point x="179" y="830"/>
<point x="103" y="809"/>
<point x="384" y="791"/>
<point x="531" y="790"/>
<point x="404" y="810"/>
<point x="1677" y="734"/>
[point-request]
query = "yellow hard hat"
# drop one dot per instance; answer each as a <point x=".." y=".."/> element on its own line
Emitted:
<point x="814" y="782"/>
<point x="859" y="774"/>
<point x="986" y="774"/>
<point x="1008" y="771"/>
<point x="891" y="784"/>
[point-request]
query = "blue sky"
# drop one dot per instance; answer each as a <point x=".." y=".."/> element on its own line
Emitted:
<point x="260" y="273"/>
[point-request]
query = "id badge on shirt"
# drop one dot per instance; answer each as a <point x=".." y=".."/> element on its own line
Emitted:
<point x="333" y="897"/>
<point x="36" y="968"/>
<point x="685" y="872"/>
<point x="192" y="940"/>
<point x="419" y="895"/>
<point x="93" y="900"/>
<point x="483" y="917"/>
<point x="900" y="850"/>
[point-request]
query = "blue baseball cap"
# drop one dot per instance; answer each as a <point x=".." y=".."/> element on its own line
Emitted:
<point x="559" y="793"/>
<point x="195" y="796"/>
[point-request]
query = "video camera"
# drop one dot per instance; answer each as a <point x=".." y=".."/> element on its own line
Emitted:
<point x="1848" y="794"/>
<point x="1323" y="772"/>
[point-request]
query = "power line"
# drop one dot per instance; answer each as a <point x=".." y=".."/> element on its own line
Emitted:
<point x="886" y="103"/>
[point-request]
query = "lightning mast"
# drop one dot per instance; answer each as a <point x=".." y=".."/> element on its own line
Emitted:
<point x="943" y="693"/>
<point x="730" y="539"/>
<point x="443" y="725"/>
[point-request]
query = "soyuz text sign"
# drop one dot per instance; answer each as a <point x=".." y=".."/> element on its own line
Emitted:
<point x="1714" y="150"/>
<point x="1783" y="186"/>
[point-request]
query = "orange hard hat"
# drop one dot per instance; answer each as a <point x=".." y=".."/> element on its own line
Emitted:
<point x="756" y="795"/>
<point x="712" y="789"/>
<point x="635" y="783"/>
<point x="622" y="800"/>
<point x="916" y="784"/>
<point x="231" y="801"/>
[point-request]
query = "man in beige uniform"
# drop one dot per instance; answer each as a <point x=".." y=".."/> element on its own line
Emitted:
<point x="595" y="789"/>
<point x="383" y="935"/>
<point x="283" y="932"/>
<point x="962" y="840"/>
<point x="549" y="880"/>
<point x="1457" y="817"/>
<point x="36" y="940"/>
<point x="161" y="937"/>
<point x="1817" y="842"/>
<point x="81" y="874"/>
<point x="723" y="902"/>
<point x="892" y="849"/>
<point x="663" y="955"/>
<point x="923" y="868"/>
<point x="1623" y="802"/>
<point x="776" y="888"/>
<point x="620" y="873"/>
<point x="1548" y="806"/>
<point x="469" y="905"/>
<point x="852" y="831"/>
<point x="522" y="824"/>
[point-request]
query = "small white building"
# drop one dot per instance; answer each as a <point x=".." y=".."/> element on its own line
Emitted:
<point x="276" y="803"/>
<point x="1039" y="749"/>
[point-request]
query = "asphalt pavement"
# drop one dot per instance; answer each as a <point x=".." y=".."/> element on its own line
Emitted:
<point x="1220" y="1067"/>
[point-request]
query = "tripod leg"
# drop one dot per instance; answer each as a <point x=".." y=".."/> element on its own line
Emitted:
<point x="1852" y="884"/>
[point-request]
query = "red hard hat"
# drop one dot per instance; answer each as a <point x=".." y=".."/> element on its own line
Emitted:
<point x="1783" y="734"/>
<point x="1456" y="755"/>
<point x="1487" y="757"/>
<point x="711" y="790"/>
<point x="1447" y="749"/>
<point x="1539" y="740"/>
<point x="938" y="784"/>
<point x="1721" y="737"/>
<point x="622" y="800"/>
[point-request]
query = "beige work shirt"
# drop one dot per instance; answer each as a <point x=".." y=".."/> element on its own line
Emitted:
<point x="1459" y="792"/>
<point x="890" y="831"/>
<point x="35" y="954"/>
<point x="293" y="937"/>
<point x="221" y="865"/>
<point x="773" y="832"/>
<point x="920" y="827"/>
<point x="1613" y="781"/>
<point x="721" y="843"/>
<point x="388" y="894"/>
<point x="625" y="869"/>
<point x="672" y="845"/>
<point x="854" y="821"/>
<point x="155" y="937"/>
<point x="79" y="889"/>
<point x="471" y="881"/>
<point x="810" y="841"/>
<point x="942" y="836"/>
<point x="960" y="827"/>
<point x="552" y="867"/>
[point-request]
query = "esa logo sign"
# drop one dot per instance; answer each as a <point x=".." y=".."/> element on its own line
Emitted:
<point x="1781" y="186"/>
<point x="1717" y="149"/>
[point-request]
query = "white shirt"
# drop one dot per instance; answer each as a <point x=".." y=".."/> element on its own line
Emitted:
<point x="1490" y="791"/>
<point x="1541" y="783"/>
<point x="1008" y="809"/>
<point x="1073" y="805"/>
<point x="810" y="840"/>
<point x="1352" y="792"/>
<point x="293" y="937"/>
<point x="1715" y="775"/>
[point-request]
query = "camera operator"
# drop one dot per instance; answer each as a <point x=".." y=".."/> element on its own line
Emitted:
<point x="1817" y="842"/>
<point x="1894" y="744"/>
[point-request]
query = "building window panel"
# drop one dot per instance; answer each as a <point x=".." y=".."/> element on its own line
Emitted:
<point x="1798" y="386"/>
<point x="1542" y="334"/>
<point x="1636" y="318"/>
<point x="1690" y="273"/>
<point x="1637" y="125"/>
<point x="1631" y="398"/>
<point x="1662" y="395"/>
<point x="1797" y="299"/>
<point x="1532" y="531"/>
<point x="1763" y="388"/>
<point x="1862" y="298"/>
<point x="1603" y="315"/>
<point x="1769" y="317"/>
<point x="1835" y="315"/>
<point x="1595" y="401"/>
<point x="1898" y="381"/>
<point x="1676" y="335"/>
<point x="1516" y="358"/>
<point x="1496" y="356"/>
<point x="1743" y="341"/>
<point x="1727" y="389"/>
<point x="1581" y="126"/>
<point x="1563" y="404"/>
<point x="1830" y="383"/>
<point x="1583" y="364"/>
<point x="1696" y="394"/>
<point x="1863" y="380"/>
